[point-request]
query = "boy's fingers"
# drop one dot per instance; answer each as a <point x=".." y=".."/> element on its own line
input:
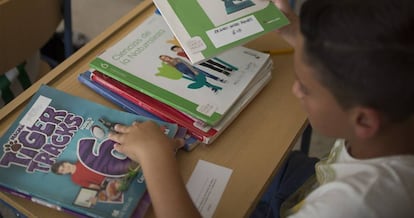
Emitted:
<point x="114" y="136"/>
<point x="121" y="128"/>
<point x="179" y="143"/>
<point x="118" y="147"/>
<point x="284" y="6"/>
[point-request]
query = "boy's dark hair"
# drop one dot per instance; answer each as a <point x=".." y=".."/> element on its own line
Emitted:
<point x="364" y="52"/>
<point x="55" y="167"/>
<point x="174" y="47"/>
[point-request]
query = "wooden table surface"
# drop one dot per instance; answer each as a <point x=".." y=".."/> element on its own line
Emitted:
<point x="253" y="146"/>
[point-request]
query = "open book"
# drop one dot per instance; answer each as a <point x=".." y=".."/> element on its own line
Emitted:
<point x="206" y="28"/>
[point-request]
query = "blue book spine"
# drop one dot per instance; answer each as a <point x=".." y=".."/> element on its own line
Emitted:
<point x="126" y="105"/>
<point x="85" y="78"/>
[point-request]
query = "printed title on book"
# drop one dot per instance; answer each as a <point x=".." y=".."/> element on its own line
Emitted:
<point x="126" y="55"/>
<point x="40" y="145"/>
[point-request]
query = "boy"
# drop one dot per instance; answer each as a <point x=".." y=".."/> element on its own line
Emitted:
<point x="354" y="70"/>
<point x="354" y="64"/>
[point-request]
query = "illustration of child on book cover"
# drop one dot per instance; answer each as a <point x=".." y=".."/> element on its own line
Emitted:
<point x="58" y="150"/>
<point x="151" y="60"/>
<point x="108" y="175"/>
<point x="180" y="63"/>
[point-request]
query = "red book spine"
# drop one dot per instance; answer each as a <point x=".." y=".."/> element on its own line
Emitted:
<point x="152" y="105"/>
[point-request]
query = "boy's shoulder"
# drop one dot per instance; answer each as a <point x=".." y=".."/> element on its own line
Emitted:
<point x="344" y="165"/>
<point x="364" y="185"/>
<point x="361" y="188"/>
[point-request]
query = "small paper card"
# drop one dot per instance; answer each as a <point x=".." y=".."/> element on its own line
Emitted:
<point x="236" y="30"/>
<point x="206" y="185"/>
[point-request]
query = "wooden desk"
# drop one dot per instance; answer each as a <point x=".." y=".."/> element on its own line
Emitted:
<point x="253" y="146"/>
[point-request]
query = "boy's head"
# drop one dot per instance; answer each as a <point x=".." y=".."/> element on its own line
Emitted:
<point x="362" y="52"/>
<point x="62" y="167"/>
<point x="176" y="48"/>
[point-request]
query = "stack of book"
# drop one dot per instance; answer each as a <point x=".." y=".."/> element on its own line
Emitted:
<point x="148" y="73"/>
<point x="192" y="78"/>
<point x="185" y="69"/>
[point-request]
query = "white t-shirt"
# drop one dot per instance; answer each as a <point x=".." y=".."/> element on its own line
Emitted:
<point x="378" y="187"/>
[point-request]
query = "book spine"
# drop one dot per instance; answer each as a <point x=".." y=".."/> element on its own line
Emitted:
<point x="154" y="106"/>
<point x="85" y="78"/>
<point x="114" y="98"/>
<point x="163" y="96"/>
<point x="40" y="201"/>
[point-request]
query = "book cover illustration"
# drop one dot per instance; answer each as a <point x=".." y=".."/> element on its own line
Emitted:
<point x="149" y="60"/>
<point x="206" y="28"/>
<point x="190" y="142"/>
<point x="57" y="153"/>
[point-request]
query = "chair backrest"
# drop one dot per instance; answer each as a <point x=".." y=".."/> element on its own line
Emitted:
<point x="25" y="26"/>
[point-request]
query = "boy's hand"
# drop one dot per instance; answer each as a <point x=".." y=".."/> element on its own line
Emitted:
<point x="144" y="139"/>
<point x="289" y="32"/>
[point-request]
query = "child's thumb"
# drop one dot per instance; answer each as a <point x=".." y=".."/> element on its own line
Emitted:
<point x="284" y="6"/>
<point x="178" y="143"/>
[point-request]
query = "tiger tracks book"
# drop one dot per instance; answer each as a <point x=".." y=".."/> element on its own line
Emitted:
<point x="57" y="154"/>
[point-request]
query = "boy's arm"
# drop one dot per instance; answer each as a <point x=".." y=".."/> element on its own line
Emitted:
<point x="166" y="187"/>
<point x="146" y="144"/>
<point x="94" y="186"/>
<point x="289" y="32"/>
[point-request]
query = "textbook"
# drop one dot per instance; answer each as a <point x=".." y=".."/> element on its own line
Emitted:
<point x="57" y="154"/>
<point x="164" y="111"/>
<point x="253" y="90"/>
<point x="195" y="128"/>
<point x="147" y="59"/>
<point x="85" y="78"/>
<point x="206" y="28"/>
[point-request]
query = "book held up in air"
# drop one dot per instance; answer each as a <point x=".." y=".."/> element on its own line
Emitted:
<point x="206" y="28"/>
<point x="57" y="153"/>
<point x="151" y="61"/>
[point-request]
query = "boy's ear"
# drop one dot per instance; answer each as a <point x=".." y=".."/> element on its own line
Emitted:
<point x="367" y="122"/>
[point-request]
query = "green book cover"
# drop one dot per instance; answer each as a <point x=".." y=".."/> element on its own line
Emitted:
<point x="206" y="28"/>
<point x="147" y="60"/>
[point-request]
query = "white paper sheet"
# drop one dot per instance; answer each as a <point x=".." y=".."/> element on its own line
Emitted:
<point x="206" y="186"/>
